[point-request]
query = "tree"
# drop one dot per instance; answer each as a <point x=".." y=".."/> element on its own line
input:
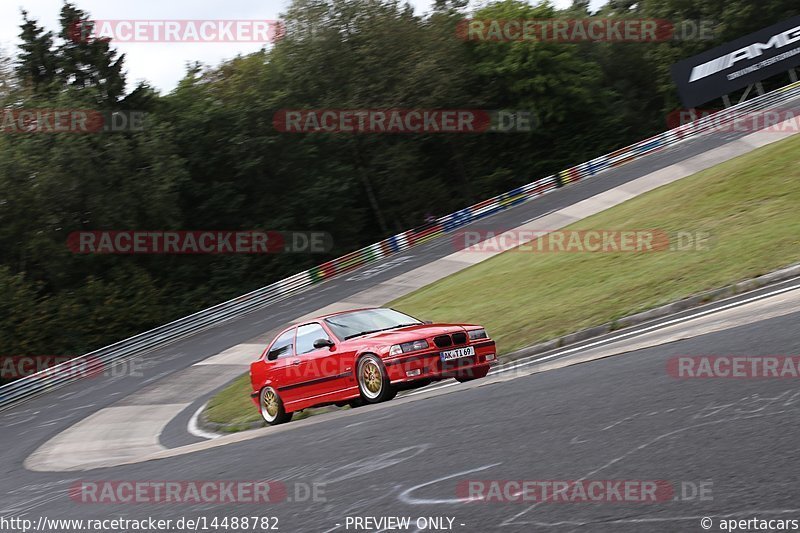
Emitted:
<point x="8" y="81"/>
<point x="88" y="64"/>
<point x="36" y="63"/>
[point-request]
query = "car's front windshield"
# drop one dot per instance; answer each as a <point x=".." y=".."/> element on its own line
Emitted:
<point x="348" y="325"/>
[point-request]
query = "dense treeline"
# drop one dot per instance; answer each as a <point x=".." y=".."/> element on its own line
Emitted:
<point x="210" y="158"/>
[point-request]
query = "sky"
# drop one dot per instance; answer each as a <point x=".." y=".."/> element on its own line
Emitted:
<point x="162" y="64"/>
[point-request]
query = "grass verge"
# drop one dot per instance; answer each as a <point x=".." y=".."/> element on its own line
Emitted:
<point x="233" y="408"/>
<point x="749" y="205"/>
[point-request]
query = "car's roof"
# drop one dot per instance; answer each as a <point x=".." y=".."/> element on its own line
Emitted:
<point x="346" y="312"/>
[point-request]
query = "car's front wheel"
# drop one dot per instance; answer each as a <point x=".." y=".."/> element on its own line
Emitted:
<point x="373" y="381"/>
<point x="272" y="407"/>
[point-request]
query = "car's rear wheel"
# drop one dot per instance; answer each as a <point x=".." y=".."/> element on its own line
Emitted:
<point x="272" y="407"/>
<point x="373" y="381"/>
<point x="472" y="373"/>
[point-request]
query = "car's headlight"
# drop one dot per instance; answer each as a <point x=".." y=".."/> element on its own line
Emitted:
<point x="413" y="346"/>
<point x="476" y="334"/>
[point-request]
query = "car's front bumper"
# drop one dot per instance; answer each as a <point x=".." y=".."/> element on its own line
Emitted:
<point x="427" y="365"/>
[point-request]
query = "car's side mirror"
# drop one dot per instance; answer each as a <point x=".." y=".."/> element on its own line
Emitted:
<point x="427" y="322"/>
<point x="274" y="354"/>
<point x="323" y="343"/>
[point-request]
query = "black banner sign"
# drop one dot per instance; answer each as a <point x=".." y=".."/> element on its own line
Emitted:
<point x="738" y="63"/>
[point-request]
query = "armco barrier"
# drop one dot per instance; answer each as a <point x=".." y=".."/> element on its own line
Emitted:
<point x="52" y="378"/>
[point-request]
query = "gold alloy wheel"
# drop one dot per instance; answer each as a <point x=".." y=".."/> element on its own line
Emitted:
<point x="371" y="378"/>
<point x="271" y="403"/>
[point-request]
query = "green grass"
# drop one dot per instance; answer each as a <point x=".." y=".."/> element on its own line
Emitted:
<point x="750" y="205"/>
<point x="232" y="406"/>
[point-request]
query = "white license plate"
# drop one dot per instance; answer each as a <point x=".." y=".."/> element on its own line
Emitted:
<point x="458" y="353"/>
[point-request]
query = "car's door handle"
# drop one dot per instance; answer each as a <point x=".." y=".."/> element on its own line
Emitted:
<point x="296" y="362"/>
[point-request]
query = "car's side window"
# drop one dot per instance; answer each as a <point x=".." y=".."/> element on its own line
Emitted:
<point x="306" y="335"/>
<point x="283" y="346"/>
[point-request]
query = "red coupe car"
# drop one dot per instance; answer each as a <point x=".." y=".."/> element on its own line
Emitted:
<point x="363" y="356"/>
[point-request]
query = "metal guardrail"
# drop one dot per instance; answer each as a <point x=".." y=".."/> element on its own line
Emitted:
<point x="96" y="361"/>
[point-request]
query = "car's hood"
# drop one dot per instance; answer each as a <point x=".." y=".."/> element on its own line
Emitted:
<point x="411" y="333"/>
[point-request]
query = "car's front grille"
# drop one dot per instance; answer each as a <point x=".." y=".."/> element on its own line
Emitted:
<point x="443" y="341"/>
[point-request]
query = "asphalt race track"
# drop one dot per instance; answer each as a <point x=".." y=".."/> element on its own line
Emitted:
<point x="621" y="417"/>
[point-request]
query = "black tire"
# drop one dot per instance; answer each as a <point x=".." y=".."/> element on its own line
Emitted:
<point x="391" y="393"/>
<point x="472" y="374"/>
<point x="373" y="381"/>
<point x="356" y="403"/>
<point x="271" y="407"/>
